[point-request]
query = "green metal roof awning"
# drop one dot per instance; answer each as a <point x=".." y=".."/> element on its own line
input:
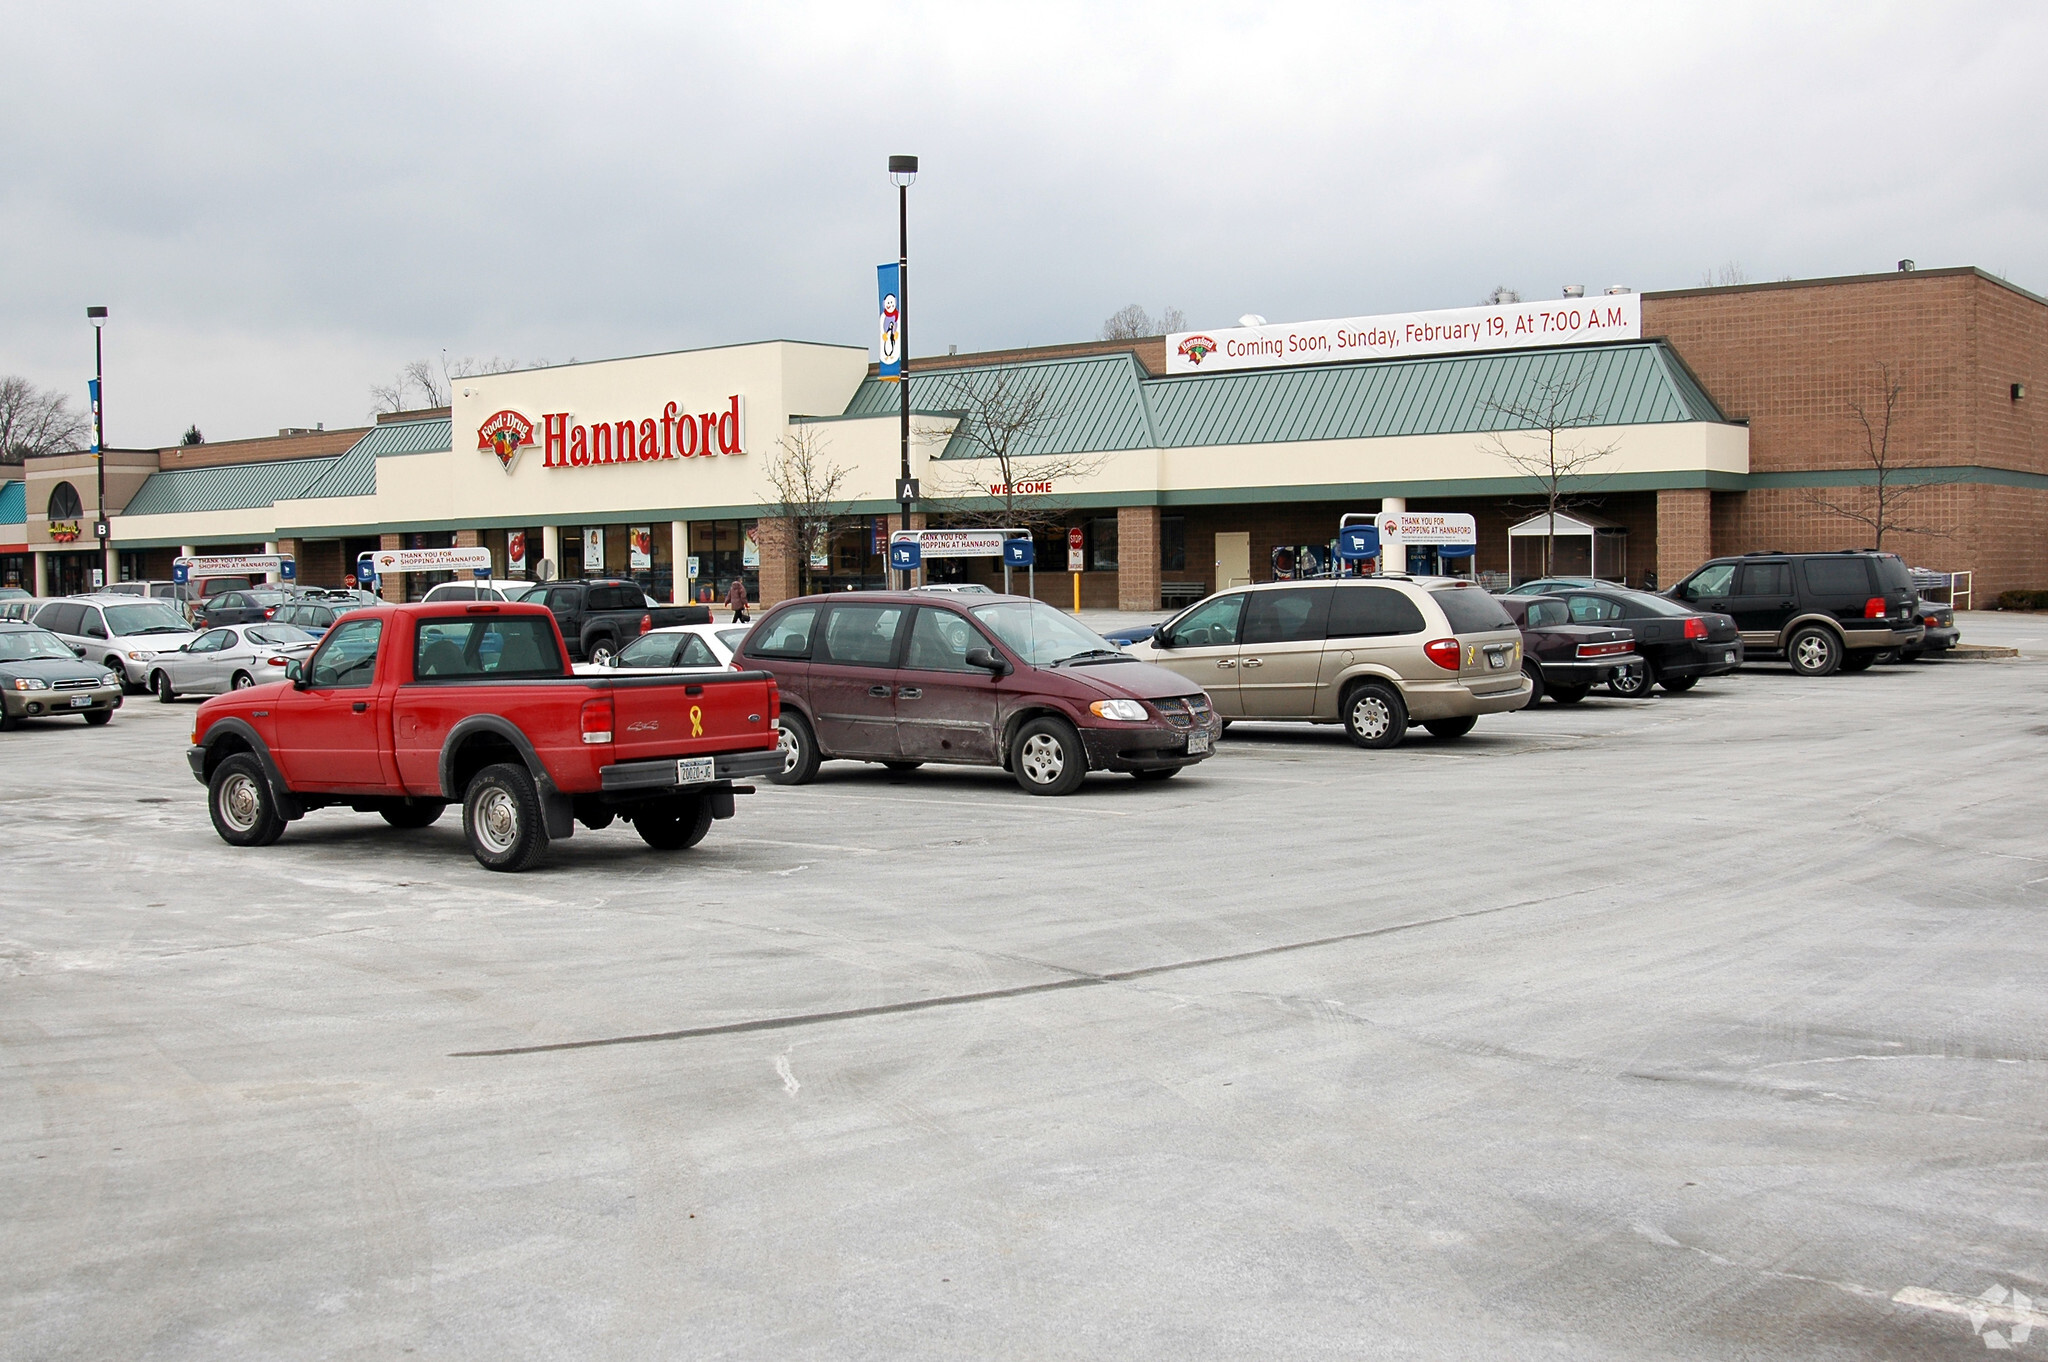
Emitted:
<point x="225" y="487"/>
<point x="14" y="505"/>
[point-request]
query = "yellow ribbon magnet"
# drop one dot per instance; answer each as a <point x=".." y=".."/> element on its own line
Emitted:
<point x="696" y="721"/>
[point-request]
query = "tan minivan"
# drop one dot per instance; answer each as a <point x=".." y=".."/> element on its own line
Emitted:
<point x="1374" y="654"/>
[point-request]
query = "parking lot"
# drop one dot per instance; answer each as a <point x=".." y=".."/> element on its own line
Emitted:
<point x="1709" y="1025"/>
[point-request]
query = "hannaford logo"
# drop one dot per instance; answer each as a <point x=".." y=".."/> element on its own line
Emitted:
<point x="677" y="435"/>
<point x="505" y="433"/>
<point x="1195" y="349"/>
<point x="63" y="531"/>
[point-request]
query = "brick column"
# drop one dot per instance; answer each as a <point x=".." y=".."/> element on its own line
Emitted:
<point x="290" y="548"/>
<point x="778" y="575"/>
<point x="1137" y="557"/>
<point x="390" y="588"/>
<point x="1685" y="532"/>
<point x="469" y="539"/>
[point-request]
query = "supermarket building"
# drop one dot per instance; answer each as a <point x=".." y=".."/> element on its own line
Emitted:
<point x="1722" y="415"/>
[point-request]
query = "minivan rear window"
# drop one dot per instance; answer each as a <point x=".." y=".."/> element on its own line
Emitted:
<point x="1470" y="610"/>
<point x="1373" y="612"/>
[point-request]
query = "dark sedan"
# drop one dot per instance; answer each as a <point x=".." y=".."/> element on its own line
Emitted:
<point x="1565" y="660"/>
<point x="1677" y="645"/>
<point x="238" y="607"/>
<point x="1941" y="634"/>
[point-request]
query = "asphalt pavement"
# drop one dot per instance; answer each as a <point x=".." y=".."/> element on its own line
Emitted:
<point x="1707" y="1026"/>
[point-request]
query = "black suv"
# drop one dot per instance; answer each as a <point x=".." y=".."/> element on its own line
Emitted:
<point x="1821" y="612"/>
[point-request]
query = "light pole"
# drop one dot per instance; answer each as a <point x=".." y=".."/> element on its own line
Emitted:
<point x="98" y="317"/>
<point x="903" y="173"/>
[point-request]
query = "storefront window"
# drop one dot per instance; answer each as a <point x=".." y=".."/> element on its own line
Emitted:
<point x="1173" y="543"/>
<point x="1102" y="544"/>
<point x="725" y="549"/>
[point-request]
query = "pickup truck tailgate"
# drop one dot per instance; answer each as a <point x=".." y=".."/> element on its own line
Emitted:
<point x="669" y="716"/>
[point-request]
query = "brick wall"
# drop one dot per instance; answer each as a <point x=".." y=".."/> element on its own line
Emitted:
<point x="1685" y="532"/>
<point x="778" y="575"/>
<point x="1137" y="557"/>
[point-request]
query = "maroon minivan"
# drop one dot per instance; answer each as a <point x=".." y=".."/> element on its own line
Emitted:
<point x="906" y="678"/>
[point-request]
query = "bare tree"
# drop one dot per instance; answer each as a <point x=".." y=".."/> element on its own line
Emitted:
<point x="810" y="497"/>
<point x="1888" y="507"/>
<point x="37" y="421"/>
<point x="1006" y="417"/>
<point x="1132" y="321"/>
<point x="1553" y="410"/>
<point x="422" y="385"/>
<point x="1724" y="275"/>
<point x="1500" y="293"/>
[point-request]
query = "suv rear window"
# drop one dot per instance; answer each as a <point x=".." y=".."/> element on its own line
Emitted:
<point x="1836" y="576"/>
<point x="1892" y="573"/>
<point x="1470" y="610"/>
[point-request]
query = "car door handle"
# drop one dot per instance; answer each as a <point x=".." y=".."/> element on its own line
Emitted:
<point x="879" y="692"/>
<point x="910" y="693"/>
<point x="360" y="706"/>
<point x="1251" y="662"/>
<point x="1226" y="662"/>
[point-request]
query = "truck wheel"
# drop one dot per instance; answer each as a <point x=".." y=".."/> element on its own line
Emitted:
<point x="675" y="824"/>
<point x="1536" y="686"/>
<point x="1678" y="685"/>
<point x="1049" y="760"/>
<point x="1860" y="661"/>
<point x="799" y="750"/>
<point x="1374" y="715"/>
<point x="501" y="816"/>
<point x="1450" y="728"/>
<point x="414" y="813"/>
<point x="238" y="796"/>
<point x="1814" y="651"/>
<point x="160" y="682"/>
<point x="602" y="650"/>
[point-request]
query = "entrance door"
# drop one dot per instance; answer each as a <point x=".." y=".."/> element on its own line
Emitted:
<point x="853" y="679"/>
<point x="945" y="709"/>
<point x="1280" y="657"/>
<point x="1233" y="560"/>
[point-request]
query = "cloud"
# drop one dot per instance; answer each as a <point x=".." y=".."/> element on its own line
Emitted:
<point x="283" y="205"/>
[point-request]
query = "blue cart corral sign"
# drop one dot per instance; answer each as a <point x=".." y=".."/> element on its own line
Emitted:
<point x="1019" y="552"/>
<point x="1356" y="543"/>
<point x="904" y="555"/>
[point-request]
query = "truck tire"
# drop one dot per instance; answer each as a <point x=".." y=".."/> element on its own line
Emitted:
<point x="1814" y="651"/>
<point x="1860" y="661"/>
<point x="601" y="650"/>
<point x="674" y="824"/>
<point x="1567" y="695"/>
<point x="502" y="818"/>
<point x="799" y="748"/>
<point x="1374" y="715"/>
<point x="414" y="813"/>
<point x="239" y="798"/>
<point x="1048" y="759"/>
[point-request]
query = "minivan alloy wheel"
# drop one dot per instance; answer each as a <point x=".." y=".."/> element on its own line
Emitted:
<point x="1042" y="758"/>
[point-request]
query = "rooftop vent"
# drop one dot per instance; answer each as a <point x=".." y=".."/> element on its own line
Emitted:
<point x="1574" y="290"/>
<point x="1251" y="319"/>
<point x="1613" y="289"/>
<point x="1906" y="267"/>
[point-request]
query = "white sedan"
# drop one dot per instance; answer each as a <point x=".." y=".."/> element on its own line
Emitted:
<point x="678" y="648"/>
<point x="228" y="658"/>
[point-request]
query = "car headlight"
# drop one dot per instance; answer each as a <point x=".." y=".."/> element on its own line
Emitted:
<point x="141" y="655"/>
<point x="30" y="683"/>
<point x="110" y="680"/>
<point x="1126" y="711"/>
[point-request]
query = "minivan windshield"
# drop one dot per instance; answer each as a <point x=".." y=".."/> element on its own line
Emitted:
<point x="153" y="617"/>
<point x="1044" y="637"/>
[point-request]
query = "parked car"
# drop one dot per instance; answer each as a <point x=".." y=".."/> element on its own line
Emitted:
<point x="1550" y="586"/>
<point x="42" y="675"/>
<point x="1130" y="633"/>
<point x="317" y="614"/>
<point x="904" y="678"/>
<point x="478" y="589"/>
<point x="1565" y="660"/>
<point x="240" y="607"/>
<point x="1374" y="654"/>
<point x="234" y="657"/>
<point x="1677" y="645"/>
<point x="22" y="608"/>
<point x="121" y="633"/>
<point x="680" y="647"/>
<point x="405" y="709"/>
<point x="600" y="615"/>
<point x="13" y="593"/>
<point x="1940" y="622"/>
<point x="1821" y="612"/>
<point x="958" y="588"/>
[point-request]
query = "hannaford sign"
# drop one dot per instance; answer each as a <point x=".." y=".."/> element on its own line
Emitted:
<point x="1428" y="527"/>
<point x="675" y="434"/>
<point x="392" y="561"/>
<point x="1513" y="326"/>
<point x="955" y="543"/>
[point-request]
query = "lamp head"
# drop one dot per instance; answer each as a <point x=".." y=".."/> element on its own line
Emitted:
<point x="902" y="170"/>
<point x="96" y="315"/>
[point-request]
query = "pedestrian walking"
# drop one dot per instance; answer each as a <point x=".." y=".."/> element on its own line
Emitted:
<point x="736" y="600"/>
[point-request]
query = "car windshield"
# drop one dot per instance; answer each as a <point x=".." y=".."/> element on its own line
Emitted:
<point x="1041" y="635"/>
<point x="1655" y="605"/>
<point x="278" y="634"/>
<point x="28" y="645"/>
<point x="153" y="617"/>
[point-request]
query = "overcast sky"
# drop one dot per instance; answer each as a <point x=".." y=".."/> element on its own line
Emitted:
<point x="281" y="204"/>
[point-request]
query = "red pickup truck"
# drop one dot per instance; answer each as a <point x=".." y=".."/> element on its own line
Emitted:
<point x="406" y="709"/>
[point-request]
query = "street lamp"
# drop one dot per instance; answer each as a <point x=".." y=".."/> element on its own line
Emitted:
<point x="98" y="317"/>
<point x="903" y="173"/>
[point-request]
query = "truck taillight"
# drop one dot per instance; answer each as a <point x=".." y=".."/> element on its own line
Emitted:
<point x="1695" y="627"/>
<point x="646" y="623"/>
<point x="597" y="720"/>
<point x="1873" y="609"/>
<point x="1443" y="652"/>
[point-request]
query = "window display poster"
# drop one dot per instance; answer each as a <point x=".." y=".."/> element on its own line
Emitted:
<point x="821" y="550"/>
<point x="593" y="550"/>
<point x="515" y="552"/>
<point x="750" y="546"/>
<point x="643" y="547"/>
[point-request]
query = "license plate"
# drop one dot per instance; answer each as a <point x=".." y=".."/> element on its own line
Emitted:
<point x="1728" y="656"/>
<point x="696" y="770"/>
<point x="1198" y="743"/>
<point x="81" y="702"/>
<point x="1496" y="658"/>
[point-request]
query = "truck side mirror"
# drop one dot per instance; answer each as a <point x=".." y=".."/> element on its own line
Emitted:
<point x="295" y="672"/>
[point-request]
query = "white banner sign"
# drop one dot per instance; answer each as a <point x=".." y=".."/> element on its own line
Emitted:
<point x="233" y="564"/>
<point x="1428" y="527"/>
<point x="389" y="561"/>
<point x="1513" y="326"/>
<point x="956" y="543"/>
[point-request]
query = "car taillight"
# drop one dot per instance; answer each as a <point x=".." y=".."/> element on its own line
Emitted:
<point x="269" y="611"/>
<point x="1607" y="649"/>
<point x="1695" y="627"/>
<point x="1873" y="609"/>
<point x="278" y="662"/>
<point x="597" y="720"/>
<point x="1443" y="652"/>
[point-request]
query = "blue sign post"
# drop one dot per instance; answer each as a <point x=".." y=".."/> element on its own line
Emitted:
<point x="905" y="555"/>
<point x="1356" y="543"/>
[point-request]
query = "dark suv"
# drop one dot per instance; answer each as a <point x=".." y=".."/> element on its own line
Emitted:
<point x="1821" y="612"/>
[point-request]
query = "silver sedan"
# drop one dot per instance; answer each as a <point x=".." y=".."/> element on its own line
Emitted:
<point x="228" y="658"/>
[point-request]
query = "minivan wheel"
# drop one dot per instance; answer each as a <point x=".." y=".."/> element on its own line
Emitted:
<point x="799" y="748"/>
<point x="502" y="818"/>
<point x="239" y="799"/>
<point x="1048" y="759"/>
<point x="1448" y="729"/>
<point x="1814" y="651"/>
<point x="1374" y="715"/>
